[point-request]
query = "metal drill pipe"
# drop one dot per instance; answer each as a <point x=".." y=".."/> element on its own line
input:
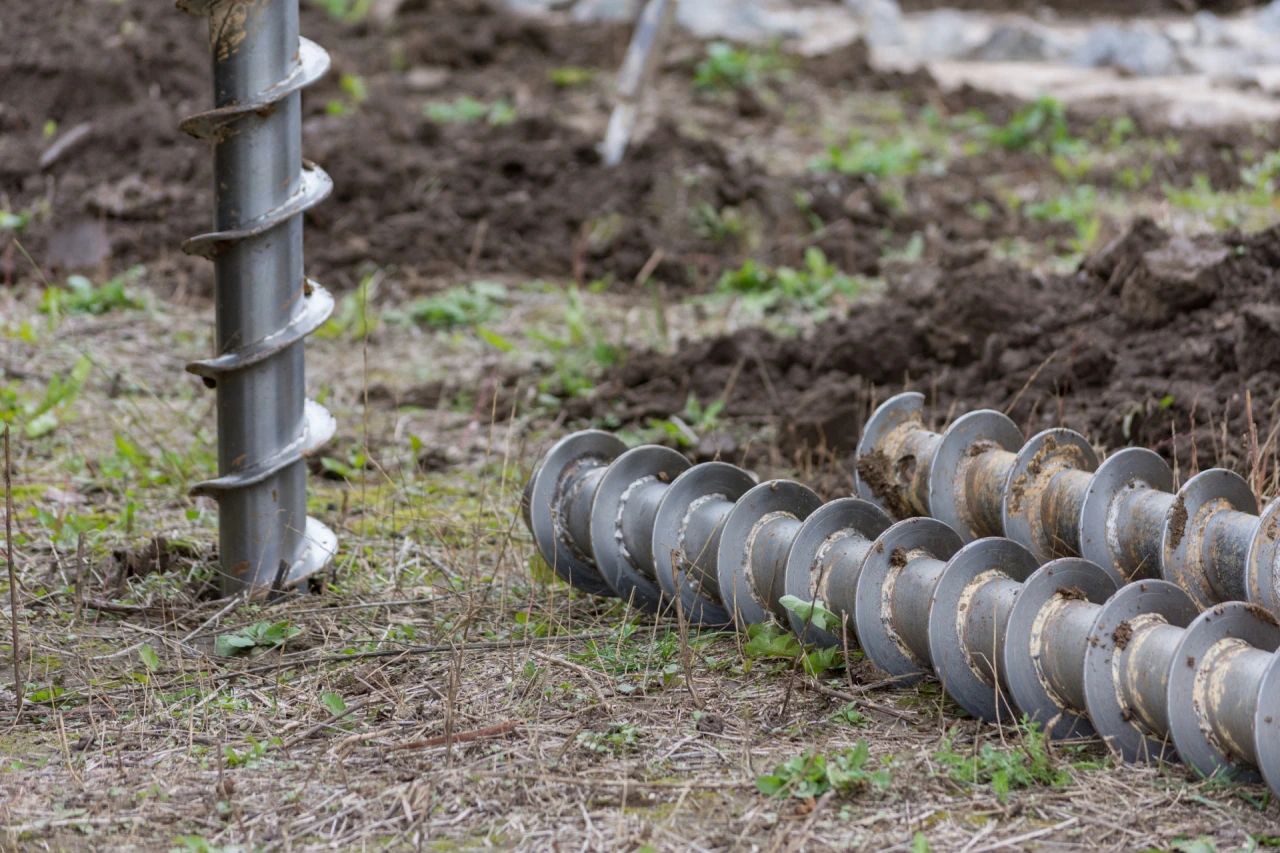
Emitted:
<point x="646" y="527"/>
<point x="265" y="305"/>
<point x="1053" y="497"/>
<point x="978" y="476"/>
<point x="1068" y="645"/>
<point x="1071" y="646"/>
<point x="641" y="525"/>
<point x="1140" y="668"/>
<point x="644" y="57"/>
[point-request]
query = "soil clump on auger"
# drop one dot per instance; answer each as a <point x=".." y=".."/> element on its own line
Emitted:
<point x="1157" y="339"/>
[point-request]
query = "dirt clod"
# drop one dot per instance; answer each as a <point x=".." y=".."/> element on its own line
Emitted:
<point x="876" y="470"/>
<point x="1177" y="522"/>
<point x="1123" y="634"/>
<point x="1073" y="593"/>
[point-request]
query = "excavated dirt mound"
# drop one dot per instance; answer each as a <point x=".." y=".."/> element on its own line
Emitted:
<point x="114" y="183"/>
<point x="1083" y="8"/>
<point x="89" y="146"/>
<point x="1162" y="341"/>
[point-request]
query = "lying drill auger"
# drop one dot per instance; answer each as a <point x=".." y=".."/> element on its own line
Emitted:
<point x="1071" y="647"/>
<point x="1143" y="669"/>
<point x="1052" y="496"/>
<point x="1067" y="644"/>
<point x="641" y="524"/>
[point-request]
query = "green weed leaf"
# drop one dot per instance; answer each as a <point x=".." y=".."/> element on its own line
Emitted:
<point x="333" y="702"/>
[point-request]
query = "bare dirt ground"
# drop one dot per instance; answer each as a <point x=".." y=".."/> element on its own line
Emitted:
<point x="791" y="241"/>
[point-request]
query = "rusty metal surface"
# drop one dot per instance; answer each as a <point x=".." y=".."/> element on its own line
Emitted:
<point x="1045" y="492"/>
<point x="1208" y="694"/>
<point x="1127" y="664"/>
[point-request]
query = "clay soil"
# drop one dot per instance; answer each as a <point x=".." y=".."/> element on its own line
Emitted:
<point x="1160" y="341"/>
<point x="89" y="145"/>
<point x="1081" y="8"/>
<point x="442" y="691"/>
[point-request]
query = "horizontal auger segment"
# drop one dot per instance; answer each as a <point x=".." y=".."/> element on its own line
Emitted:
<point x="1066" y="644"/>
<point x="637" y="524"/>
<point x="826" y="560"/>
<point x="758" y="537"/>
<point x="686" y="538"/>
<point x="1224" y="694"/>
<point x="1051" y="495"/>
<point x="979" y="476"/>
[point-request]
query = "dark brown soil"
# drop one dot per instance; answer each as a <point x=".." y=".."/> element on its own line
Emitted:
<point x="1084" y="8"/>
<point x="1129" y="350"/>
<point x="435" y="200"/>
<point x="530" y="198"/>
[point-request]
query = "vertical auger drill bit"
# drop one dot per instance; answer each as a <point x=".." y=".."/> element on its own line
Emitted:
<point x="265" y="305"/>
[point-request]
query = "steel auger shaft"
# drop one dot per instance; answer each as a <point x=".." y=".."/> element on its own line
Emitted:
<point x="1051" y="495"/>
<point x="1068" y="644"/>
<point x="265" y="305"/>
<point x="645" y="526"/>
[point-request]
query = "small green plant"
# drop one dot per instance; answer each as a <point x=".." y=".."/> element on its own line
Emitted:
<point x="849" y="715"/>
<point x="862" y="155"/>
<point x="727" y="67"/>
<point x="1119" y="129"/>
<point x="813" y="612"/>
<point x="333" y="703"/>
<point x="812" y="775"/>
<point x="80" y="296"/>
<point x="579" y="352"/>
<point x="1026" y="765"/>
<point x="258" y="637"/>
<point x="767" y="640"/>
<point x="40" y="416"/>
<point x="811" y="288"/>
<point x="256" y="750"/>
<point x="1039" y="127"/>
<point x="648" y="665"/>
<point x="618" y="739"/>
<point x="718" y="226"/>
<point x="1260" y="176"/>
<point x="1076" y="208"/>
<point x="16" y="222"/>
<point x="570" y="77"/>
<point x="149" y="658"/>
<point x="356" y="90"/>
<point x="350" y="469"/>
<point x="466" y="305"/>
<point x="696" y="420"/>
<point x="466" y="110"/>
<point x="1135" y="177"/>
<point x="346" y="11"/>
